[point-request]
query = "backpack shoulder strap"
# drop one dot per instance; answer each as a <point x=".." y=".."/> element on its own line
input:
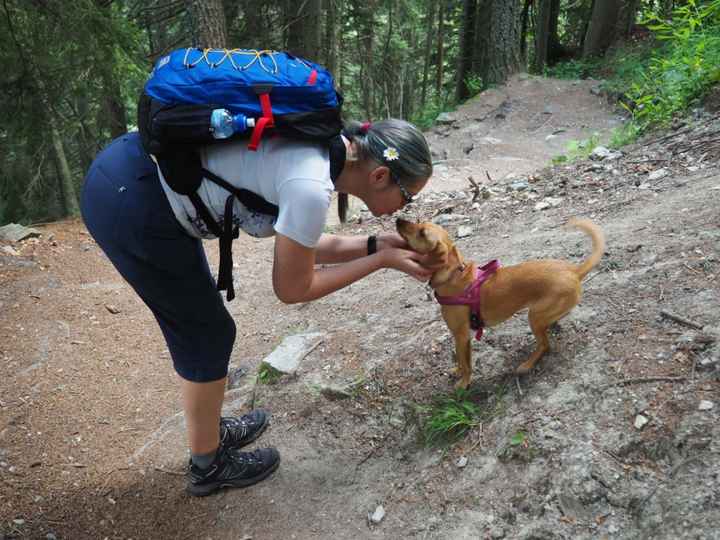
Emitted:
<point x="251" y="201"/>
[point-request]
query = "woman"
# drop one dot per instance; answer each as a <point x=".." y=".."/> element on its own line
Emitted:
<point x="152" y="236"/>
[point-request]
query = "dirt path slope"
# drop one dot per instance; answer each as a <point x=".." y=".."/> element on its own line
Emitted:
<point x="91" y="439"/>
<point x="516" y="129"/>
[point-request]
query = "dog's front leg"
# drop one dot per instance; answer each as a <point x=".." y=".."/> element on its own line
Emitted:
<point x="463" y="357"/>
<point x="458" y="321"/>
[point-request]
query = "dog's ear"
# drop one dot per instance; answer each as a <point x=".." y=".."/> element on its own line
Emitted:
<point x="456" y="253"/>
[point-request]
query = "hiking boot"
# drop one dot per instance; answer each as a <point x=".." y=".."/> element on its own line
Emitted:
<point x="238" y="432"/>
<point x="232" y="468"/>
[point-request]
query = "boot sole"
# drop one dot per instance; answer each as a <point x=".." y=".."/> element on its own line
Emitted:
<point x="208" y="489"/>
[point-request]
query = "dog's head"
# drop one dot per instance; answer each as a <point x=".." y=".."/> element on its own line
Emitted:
<point x="428" y="238"/>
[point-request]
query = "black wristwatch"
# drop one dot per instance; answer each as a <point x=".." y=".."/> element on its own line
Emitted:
<point x="372" y="244"/>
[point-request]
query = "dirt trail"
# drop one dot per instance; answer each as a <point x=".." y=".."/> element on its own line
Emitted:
<point x="91" y="439"/>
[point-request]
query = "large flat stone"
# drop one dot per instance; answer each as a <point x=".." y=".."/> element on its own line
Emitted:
<point x="17" y="233"/>
<point x="287" y="356"/>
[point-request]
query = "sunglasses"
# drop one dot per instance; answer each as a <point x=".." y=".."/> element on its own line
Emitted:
<point x="406" y="195"/>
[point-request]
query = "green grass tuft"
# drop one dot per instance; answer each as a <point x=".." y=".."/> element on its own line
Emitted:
<point x="450" y="417"/>
<point x="268" y="374"/>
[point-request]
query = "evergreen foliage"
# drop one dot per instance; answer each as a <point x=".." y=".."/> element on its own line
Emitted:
<point x="72" y="71"/>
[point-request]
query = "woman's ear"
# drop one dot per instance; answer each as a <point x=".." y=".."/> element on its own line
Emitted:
<point x="380" y="176"/>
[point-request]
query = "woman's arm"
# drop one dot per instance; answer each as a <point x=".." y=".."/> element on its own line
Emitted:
<point x="296" y="279"/>
<point x="333" y="249"/>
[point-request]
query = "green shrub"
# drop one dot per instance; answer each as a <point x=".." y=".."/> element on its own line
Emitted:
<point x="575" y="69"/>
<point x="657" y="79"/>
<point x="682" y="70"/>
<point x="474" y="84"/>
<point x="578" y="149"/>
<point x="425" y="119"/>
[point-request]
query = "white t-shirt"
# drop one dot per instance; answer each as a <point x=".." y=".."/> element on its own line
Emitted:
<point x="293" y="175"/>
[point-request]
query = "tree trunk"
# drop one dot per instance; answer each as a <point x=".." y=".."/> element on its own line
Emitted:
<point x="542" y="34"/>
<point x="440" y="53"/>
<point x="410" y="78"/>
<point x="602" y="30"/>
<point x="387" y="65"/>
<point x="313" y="26"/>
<point x="467" y="43"/>
<point x="556" y="50"/>
<point x="64" y="176"/>
<point x="331" y="40"/>
<point x="365" y="18"/>
<point x="208" y="23"/>
<point x="254" y="30"/>
<point x="65" y="181"/>
<point x="524" y="20"/>
<point x="429" y="19"/>
<point x="499" y="40"/>
<point x="626" y="20"/>
<point x="304" y="35"/>
<point x="341" y="51"/>
<point x="115" y="115"/>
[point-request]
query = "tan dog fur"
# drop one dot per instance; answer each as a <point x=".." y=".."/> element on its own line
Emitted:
<point x="549" y="288"/>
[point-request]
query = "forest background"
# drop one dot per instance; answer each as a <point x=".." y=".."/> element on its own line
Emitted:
<point x="73" y="71"/>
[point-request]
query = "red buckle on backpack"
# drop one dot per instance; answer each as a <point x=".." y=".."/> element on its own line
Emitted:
<point x="266" y="121"/>
<point x="313" y="77"/>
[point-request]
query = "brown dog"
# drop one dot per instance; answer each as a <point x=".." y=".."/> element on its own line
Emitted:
<point x="549" y="288"/>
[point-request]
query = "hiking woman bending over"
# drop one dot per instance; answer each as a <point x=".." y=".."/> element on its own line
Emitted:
<point x="152" y="235"/>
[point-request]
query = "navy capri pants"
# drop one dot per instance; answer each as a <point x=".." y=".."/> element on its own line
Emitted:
<point x="125" y="209"/>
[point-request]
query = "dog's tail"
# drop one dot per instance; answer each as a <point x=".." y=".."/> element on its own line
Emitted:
<point x="598" y="243"/>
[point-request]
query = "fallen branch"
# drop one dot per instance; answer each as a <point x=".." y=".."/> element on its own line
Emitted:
<point x="681" y="131"/>
<point x="174" y="473"/>
<point x="642" y="380"/>
<point x="593" y="276"/>
<point x="640" y="162"/>
<point x="475" y="187"/>
<point x="479" y="439"/>
<point x="682" y="320"/>
<point x="368" y="456"/>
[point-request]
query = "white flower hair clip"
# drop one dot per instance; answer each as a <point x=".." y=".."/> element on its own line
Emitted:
<point x="391" y="153"/>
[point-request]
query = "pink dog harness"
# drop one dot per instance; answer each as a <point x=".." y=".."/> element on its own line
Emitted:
<point x="471" y="296"/>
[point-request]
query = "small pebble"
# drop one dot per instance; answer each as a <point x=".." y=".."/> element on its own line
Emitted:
<point x="378" y="515"/>
<point x="640" y="421"/>
<point x="705" y="405"/>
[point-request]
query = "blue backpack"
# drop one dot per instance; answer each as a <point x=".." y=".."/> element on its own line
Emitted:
<point x="284" y="95"/>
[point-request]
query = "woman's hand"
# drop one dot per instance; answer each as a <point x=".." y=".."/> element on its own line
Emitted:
<point x="408" y="261"/>
<point x="417" y="265"/>
<point x="387" y="240"/>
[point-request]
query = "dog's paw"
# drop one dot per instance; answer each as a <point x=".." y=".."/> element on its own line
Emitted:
<point x="462" y="384"/>
<point x="524" y="369"/>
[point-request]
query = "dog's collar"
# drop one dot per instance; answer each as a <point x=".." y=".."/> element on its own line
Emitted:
<point x="462" y="267"/>
<point x="471" y="296"/>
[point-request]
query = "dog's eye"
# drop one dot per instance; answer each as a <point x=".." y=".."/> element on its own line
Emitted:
<point x="423" y="233"/>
